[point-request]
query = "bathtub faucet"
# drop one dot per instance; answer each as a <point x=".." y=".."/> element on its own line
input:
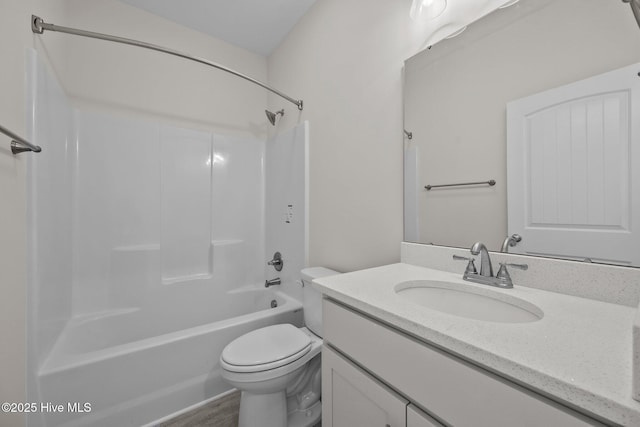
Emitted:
<point x="272" y="282"/>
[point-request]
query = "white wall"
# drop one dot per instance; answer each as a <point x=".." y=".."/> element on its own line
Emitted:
<point x="345" y="59"/>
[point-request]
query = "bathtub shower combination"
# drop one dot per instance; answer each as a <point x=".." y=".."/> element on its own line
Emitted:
<point x="148" y="246"/>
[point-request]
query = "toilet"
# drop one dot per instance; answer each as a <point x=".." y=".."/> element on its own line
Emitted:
<point x="277" y="368"/>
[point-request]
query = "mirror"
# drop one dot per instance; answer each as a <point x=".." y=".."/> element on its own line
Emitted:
<point x="456" y="95"/>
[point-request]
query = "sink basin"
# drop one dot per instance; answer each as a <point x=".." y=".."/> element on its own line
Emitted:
<point x="466" y="301"/>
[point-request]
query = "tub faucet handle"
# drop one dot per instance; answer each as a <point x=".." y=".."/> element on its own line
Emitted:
<point x="277" y="261"/>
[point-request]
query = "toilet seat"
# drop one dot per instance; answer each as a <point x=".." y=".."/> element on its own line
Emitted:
<point x="265" y="349"/>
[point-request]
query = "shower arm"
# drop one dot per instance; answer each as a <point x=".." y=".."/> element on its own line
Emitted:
<point x="38" y="26"/>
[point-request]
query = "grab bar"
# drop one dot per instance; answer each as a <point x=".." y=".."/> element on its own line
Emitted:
<point x="491" y="183"/>
<point x="19" y="145"/>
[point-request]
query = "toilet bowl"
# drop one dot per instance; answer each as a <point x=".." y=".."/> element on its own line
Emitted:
<point x="277" y="368"/>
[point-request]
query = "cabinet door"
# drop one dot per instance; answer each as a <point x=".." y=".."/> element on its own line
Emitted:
<point x="352" y="398"/>
<point x="417" y="418"/>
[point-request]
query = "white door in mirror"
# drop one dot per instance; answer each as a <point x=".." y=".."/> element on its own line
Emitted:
<point x="570" y="168"/>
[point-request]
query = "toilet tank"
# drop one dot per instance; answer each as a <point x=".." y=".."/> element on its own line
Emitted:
<point x="312" y="299"/>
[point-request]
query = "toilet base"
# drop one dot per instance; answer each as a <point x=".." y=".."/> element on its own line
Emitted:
<point x="268" y="410"/>
<point x="305" y="418"/>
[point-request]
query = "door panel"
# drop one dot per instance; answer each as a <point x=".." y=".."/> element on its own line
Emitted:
<point x="571" y="163"/>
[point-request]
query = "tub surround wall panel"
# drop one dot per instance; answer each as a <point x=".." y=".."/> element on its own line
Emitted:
<point x="185" y="177"/>
<point x="149" y="197"/>
<point x="50" y="176"/>
<point x="286" y="206"/>
<point x="116" y="221"/>
<point x="238" y="209"/>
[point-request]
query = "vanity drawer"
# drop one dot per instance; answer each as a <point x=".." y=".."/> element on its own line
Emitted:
<point x="455" y="391"/>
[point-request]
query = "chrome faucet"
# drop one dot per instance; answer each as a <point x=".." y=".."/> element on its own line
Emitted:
<point x="486" y="269"/>
<point x="272" y="282"/>
<point x="485" y="276"/>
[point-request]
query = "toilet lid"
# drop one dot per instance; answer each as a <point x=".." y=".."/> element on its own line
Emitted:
<point x="267" y="348"/>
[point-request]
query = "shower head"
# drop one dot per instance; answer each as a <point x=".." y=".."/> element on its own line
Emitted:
<point x="272" y="116"/>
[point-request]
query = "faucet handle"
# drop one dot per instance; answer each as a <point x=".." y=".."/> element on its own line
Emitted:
<point x="518" y="266"/>
<point x="503" y="274"/>
<point x="471" y="266"/>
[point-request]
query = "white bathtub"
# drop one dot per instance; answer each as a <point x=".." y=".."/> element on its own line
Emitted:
<point x="137" y="366"/>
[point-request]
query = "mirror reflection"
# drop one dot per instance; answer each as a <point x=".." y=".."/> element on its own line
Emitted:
<point x="539" y="99"/>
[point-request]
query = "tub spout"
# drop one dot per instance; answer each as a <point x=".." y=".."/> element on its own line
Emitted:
<point x="272" y="282"/>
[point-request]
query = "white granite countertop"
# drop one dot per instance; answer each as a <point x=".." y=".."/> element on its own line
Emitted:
<point x="579" y="353"/>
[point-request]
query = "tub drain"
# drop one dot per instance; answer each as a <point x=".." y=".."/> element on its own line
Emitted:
<point x="274" y="303"/>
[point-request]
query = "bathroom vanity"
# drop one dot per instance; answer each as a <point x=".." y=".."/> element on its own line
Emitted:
<point x="456" y="391"/>
<point x="391" y="361"/>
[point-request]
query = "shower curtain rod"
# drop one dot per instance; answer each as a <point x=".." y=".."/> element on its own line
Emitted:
<point x="38" y="26"/>
<point x="19" y="145"/>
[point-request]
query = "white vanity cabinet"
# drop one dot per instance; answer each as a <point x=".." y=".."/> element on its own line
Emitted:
<point x="355" y="398"/>
<point x="417" y="418"/>
<point x="374" y="375"/>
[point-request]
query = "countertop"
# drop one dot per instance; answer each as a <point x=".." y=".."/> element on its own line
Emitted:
<point x="579" y="353"/>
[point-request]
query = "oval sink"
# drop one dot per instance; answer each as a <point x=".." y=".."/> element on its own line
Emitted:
<point x="465" y="301"/>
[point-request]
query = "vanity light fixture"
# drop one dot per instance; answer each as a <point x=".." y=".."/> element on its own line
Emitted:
<point x="425" y="10"/>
